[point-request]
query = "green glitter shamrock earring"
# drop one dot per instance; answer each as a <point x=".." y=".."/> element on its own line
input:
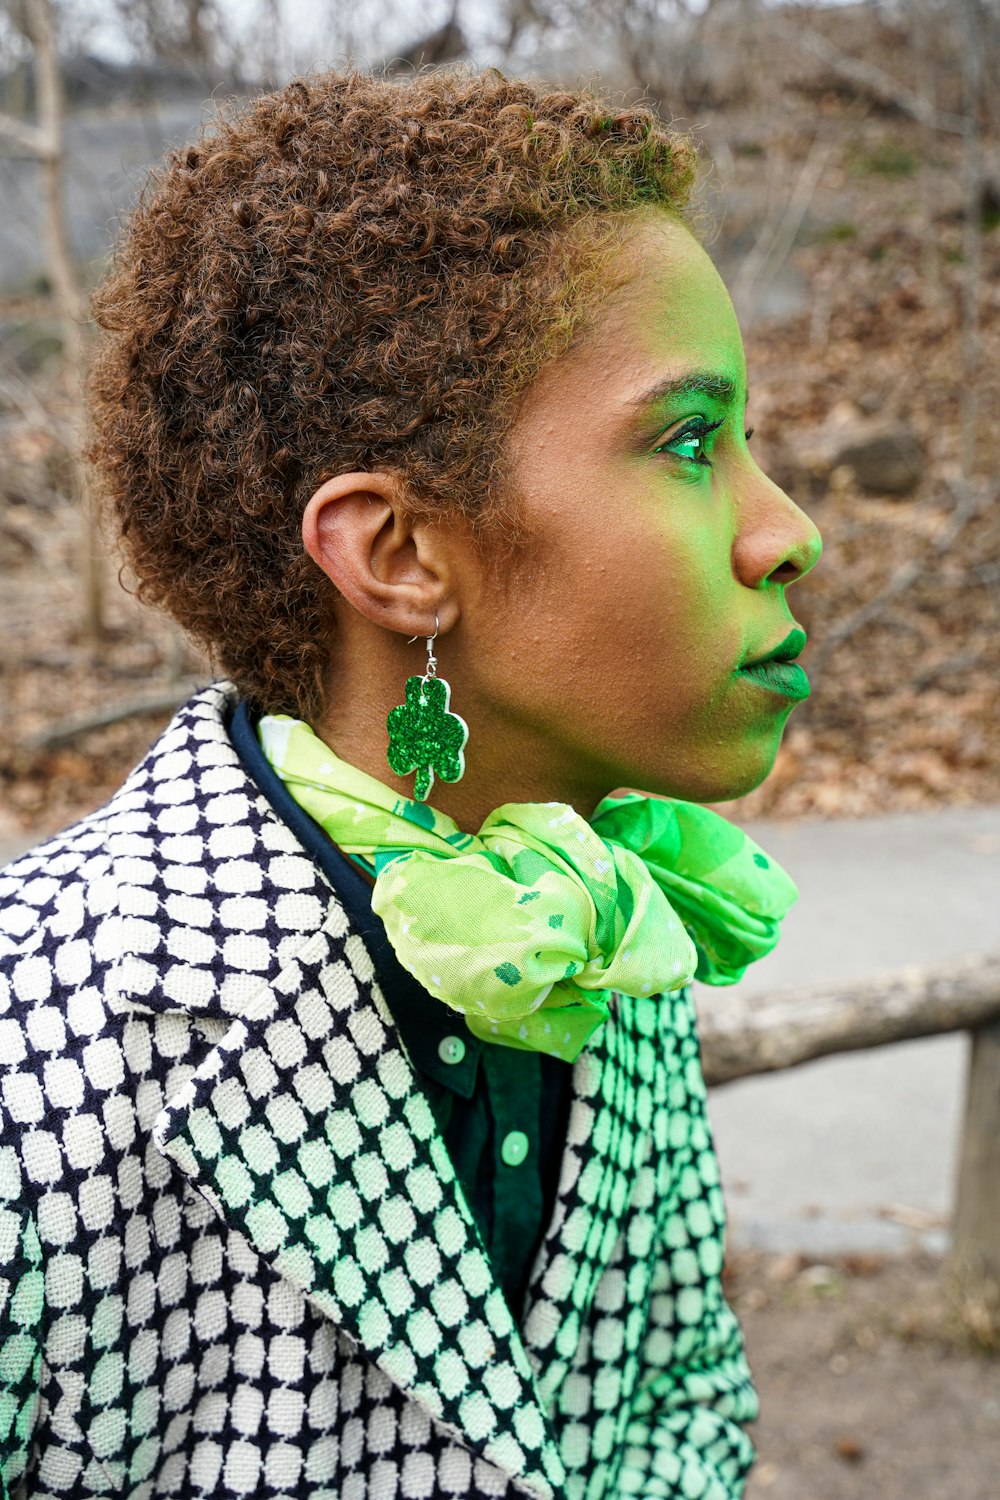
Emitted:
<point x="423" y="735"/>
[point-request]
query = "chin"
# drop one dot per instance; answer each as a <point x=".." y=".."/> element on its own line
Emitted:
<point x="708" y="783"/>
<point x="729" y="791"/>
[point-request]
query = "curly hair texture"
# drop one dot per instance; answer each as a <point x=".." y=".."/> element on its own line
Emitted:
<point x="353" y="273"/>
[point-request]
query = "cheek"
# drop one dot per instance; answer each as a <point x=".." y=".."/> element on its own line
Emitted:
<point x="674" y="607"/>
<point x="625" y="603"/>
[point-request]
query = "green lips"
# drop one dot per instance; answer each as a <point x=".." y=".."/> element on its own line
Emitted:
<point x="785" y="677"/>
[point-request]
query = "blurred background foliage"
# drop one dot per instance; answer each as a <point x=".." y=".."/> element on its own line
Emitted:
<point x="851" y="177"/>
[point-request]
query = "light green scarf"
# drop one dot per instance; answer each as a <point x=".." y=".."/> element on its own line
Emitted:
<point x="526" y="927"/>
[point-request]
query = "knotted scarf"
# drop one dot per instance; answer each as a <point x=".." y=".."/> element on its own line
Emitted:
<point x="527" y="927"/>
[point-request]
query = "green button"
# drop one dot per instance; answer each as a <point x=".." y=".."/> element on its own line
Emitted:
<point x="514" y="1148"/>
<point x="451" y="1049"/>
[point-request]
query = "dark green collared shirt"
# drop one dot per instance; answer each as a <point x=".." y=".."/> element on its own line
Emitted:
<point x="503" y="1113"/>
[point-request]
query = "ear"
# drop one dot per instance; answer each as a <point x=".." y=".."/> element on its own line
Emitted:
<point x="394" y="569"/>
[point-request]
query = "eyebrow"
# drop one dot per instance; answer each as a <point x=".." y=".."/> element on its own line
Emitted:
<point x="694" y="383"/>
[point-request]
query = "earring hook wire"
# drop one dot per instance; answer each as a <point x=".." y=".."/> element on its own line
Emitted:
<point x="437" y="626"/>
<point x="431" y="658"/>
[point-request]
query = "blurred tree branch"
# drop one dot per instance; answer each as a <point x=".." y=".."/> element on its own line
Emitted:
<point x="64" y="731"/>
<point x="173" y="31"/>
<point x="856" y="70"/>
<point x="30" y="140"/>
<point x="776" y="240"/>
<point x="444" y="44"/>
<point x="969" y="502"/>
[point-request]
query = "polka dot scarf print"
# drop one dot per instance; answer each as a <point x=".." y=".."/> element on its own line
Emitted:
<point x="527" y="927"/>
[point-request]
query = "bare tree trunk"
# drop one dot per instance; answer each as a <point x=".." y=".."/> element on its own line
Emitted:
<point x="927" y="85"/>
<point x="972" y="177"/>
<point x="66" y="289"/>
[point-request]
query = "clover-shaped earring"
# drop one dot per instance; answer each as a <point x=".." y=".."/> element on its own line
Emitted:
<point x="423" y="735"/>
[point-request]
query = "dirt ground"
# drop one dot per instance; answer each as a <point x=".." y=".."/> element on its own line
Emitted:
<point x="869" y="1386"/>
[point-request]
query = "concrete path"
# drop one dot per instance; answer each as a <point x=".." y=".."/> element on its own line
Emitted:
<point x="10" y="848"/>
<point x="857" y="1152"/>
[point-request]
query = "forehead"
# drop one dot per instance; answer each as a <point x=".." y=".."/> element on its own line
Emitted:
<point x="671" y="311"/>
<point x="667" y="314"/>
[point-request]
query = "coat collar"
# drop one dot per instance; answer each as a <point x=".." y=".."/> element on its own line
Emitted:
<point x="305" y="1125"/>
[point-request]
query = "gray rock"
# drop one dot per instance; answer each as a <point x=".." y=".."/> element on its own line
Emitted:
<point x="883" y="455"/>
<point x="886" y="459"/>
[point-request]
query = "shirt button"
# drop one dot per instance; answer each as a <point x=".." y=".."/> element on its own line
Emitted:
<point x="514" y="1148"/>
<point x="451" y="1049"/>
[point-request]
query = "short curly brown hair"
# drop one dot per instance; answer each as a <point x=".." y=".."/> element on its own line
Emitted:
<point x="353" y="273"/>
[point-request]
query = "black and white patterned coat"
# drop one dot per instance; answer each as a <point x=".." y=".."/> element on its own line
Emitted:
<point x="237" y="1258"/>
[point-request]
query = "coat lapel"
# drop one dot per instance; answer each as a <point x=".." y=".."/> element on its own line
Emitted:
<point x="306" y="1128"/>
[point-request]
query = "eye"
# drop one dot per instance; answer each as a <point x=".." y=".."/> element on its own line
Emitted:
<point x="689" y="443"/>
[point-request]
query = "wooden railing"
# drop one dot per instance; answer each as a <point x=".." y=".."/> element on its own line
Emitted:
<point x="742" y="1037"/>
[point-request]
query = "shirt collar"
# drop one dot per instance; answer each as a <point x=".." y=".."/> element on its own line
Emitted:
<point x="428" y="1027"/>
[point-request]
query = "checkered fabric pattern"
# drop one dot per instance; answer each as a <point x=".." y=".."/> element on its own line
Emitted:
<point x="237" y="1259"/>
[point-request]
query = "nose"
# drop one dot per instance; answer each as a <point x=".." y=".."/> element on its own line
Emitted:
<point x="776" y="541"/>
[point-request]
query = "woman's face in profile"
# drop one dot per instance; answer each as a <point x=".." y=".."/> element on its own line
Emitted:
<point x="661" y="552"/>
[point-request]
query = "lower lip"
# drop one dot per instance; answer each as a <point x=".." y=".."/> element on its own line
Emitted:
<point x="785" y="677"/>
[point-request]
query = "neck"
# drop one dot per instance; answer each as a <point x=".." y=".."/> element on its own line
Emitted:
<point x="503" y="762"/>
<point x="498" y="770"/>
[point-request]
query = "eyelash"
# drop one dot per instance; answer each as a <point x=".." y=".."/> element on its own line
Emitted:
<point x="700" y="431"/>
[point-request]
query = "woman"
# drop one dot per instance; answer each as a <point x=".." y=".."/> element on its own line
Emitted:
<point x="354" y="1129"/>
